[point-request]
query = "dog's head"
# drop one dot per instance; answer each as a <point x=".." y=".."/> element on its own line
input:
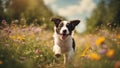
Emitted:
<point x="64" y="28"/>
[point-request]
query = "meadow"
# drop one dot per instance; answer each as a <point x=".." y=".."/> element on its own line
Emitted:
<point x="23" y="46"/>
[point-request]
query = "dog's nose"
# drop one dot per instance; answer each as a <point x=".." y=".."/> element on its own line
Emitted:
<point x="64" y="31"/>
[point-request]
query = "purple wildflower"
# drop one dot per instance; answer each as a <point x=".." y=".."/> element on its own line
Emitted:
<point x="7" y="44"/>
<point x="37" y="51"/>
<point x="102" y="51"/>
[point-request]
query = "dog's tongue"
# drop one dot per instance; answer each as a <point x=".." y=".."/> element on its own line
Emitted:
<point x="63" y="37"/>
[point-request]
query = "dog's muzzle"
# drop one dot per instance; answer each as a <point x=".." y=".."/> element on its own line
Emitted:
<point x="64" y="35"/>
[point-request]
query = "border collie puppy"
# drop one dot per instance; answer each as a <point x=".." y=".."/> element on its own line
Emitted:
<point x="63" y="41"/>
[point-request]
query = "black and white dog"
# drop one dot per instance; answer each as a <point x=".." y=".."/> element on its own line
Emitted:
<point x="63" y="41"/>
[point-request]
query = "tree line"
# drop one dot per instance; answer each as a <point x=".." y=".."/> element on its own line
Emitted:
<point x="106" y="14"/>
<point x="25" y="11"/>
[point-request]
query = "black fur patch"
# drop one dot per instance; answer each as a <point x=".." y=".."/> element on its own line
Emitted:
<point x="59" y="27"/>
<point x="69" y="26"/>
<point x="56" y="21"/>
<point x="73" y="45"/>
<point x="73" y="23"/>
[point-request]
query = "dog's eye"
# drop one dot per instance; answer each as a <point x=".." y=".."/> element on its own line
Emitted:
<point x="67" y="24"/>
<point x="61" y="25"/>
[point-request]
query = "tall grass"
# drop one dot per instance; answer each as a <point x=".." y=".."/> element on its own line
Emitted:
<point x="25" y="47"/>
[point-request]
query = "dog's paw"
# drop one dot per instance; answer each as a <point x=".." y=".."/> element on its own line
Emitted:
<point x="57" y="55"/>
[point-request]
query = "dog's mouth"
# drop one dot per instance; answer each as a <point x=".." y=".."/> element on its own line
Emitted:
<point x="63" y="36"/>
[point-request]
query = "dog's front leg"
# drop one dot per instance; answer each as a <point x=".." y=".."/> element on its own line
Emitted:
<point x="57" y="50"/>
<point x="70" y="55"/>
<point x="65" y="58"/>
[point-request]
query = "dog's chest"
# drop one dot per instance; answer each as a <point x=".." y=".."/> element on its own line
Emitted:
<point x="65" y="45"/>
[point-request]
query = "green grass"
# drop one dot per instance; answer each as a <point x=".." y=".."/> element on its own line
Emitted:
<point x="31" y="47"/>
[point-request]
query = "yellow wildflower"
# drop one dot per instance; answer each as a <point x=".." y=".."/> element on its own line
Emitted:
<point x="24" y="26"/>
<point x="12" y="37"/>
<point x="110" y="53"/>
<point x="118" y="43"/>
<point x="1" y="62"/>
<point x="118" y="36"/>
<point x="32" y="35"/>
<point x="100" y="40"/>
<point x="21" y="38"/>
<point x="94" y="56"/>
<point x="85" y="51"/>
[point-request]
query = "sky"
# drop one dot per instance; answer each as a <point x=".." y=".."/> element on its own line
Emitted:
<point x="73" y="9"/>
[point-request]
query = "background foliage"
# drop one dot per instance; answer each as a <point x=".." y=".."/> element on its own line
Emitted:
<point x="25" y="11"/>
<point x="106" y="14"/>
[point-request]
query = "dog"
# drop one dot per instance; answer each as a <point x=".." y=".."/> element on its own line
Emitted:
<point x="64" y="43"/>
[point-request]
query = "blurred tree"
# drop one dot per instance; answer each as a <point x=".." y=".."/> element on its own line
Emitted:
<point x="15" y="7"/>
<point x="106" y="14"/>
<point x="36" y="12"/>
<point x="114" y="10"/>
<point x="98" y="16"/>
<point x="1" y="11"/>
<point x="32" y="11"/>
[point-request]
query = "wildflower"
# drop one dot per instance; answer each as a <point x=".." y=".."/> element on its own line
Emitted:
<point x="94" y="56"/>
<point x="37" y="51"/>
<point x="110" y="53"/>
<point x="100" y="40"/>
<point x="1" y="62"/>
<point x="12" y="37"/>
<point x="24" y="26"/>
<point x="102" y="51"/>
<point x="118" y="36"/>
<point x="118" y="43"/>
<point x="86" y="57"/>
<point x="4" y="24"/>
<point x="104" y="46"/>
<point x="8" y="31"/>
<point x="23" y="30"/>
<point x="32" y="35"/>
<point x="13" y="24"/>
<point x="117" y="64"/>
<point x="21" y="38"/>
<point x="85" y="51"/>
<point x="7" y="44"/>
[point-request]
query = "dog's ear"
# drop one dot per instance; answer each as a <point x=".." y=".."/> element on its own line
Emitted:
<point x="56" y="21"/>
<point x="74" y="23"/>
